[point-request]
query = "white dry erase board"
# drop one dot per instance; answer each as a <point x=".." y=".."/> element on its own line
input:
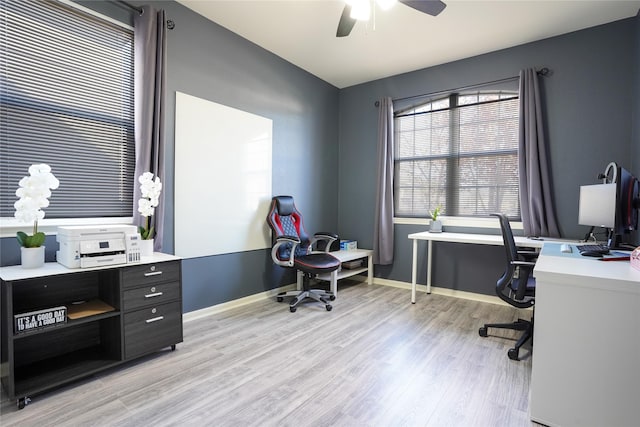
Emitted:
<point x="222" y="178"/>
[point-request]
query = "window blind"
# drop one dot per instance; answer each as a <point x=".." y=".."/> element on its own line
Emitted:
<point x="66" y="99"/>
<point x="459" y="152"/>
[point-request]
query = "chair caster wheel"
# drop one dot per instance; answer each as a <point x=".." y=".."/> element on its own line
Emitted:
<point x="22" y="402"/>
<point x="332" y="298"/>
<point x="292" y="309"/>
<point x="513" y="354"/>
<point x="328" y="307"/>
<point x="279" y="299"/>
<point x="482" y="331"/>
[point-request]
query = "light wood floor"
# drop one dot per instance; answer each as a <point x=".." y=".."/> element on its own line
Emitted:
<point x="375" y="360"/>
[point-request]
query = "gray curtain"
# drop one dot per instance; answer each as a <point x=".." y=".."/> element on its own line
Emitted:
<point x="383" y="232"/>
<point x="150" y="45"/>
<point x="536" y="202"/>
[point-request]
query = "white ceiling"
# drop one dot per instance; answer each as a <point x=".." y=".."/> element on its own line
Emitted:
<point x="401" y="39"/>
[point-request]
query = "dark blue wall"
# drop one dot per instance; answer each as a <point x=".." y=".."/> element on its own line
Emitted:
<point x="588" y="104"/>
<point x="210" y="62"/>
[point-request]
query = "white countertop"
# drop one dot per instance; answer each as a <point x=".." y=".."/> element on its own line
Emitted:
<point x="16" y="272"/>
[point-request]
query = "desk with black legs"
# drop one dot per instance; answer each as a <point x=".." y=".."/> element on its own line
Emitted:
<point x="477" y="239"/>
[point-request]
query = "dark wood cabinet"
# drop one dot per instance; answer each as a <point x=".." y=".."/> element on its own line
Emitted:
<point x="145" y="315"/>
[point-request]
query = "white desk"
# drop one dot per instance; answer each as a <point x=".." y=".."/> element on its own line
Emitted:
<point x="478" y="239"/>
<point x="586" y="357"/>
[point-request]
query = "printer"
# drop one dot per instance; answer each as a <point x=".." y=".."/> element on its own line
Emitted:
<point x="85" y="246"/>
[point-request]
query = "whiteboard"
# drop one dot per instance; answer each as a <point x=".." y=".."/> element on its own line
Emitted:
<point x="222" y="178"/>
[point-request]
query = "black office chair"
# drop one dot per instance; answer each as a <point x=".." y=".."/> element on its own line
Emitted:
<point x="292" y="248"/>
<point x="517" y="287"/>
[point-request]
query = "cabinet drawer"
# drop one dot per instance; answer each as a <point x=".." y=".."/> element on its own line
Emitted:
<point x="152" y="328"/>
<point x="154" y="294"/>
<point x="151" y="273"/>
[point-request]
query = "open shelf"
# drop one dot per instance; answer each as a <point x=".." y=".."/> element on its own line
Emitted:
<point x="69" y="324"/>
<point x="343" y="273"/>
<point x="58" y="370"/>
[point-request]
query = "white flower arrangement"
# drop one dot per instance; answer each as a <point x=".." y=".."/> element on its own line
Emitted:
<point x="150" y="189"/>
<point x="34" y="192"/>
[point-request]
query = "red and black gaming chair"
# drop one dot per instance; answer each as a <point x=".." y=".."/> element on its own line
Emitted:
<point x="292" y="248"/>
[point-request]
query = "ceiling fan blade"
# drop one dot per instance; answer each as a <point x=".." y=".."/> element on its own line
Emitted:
<point x="346" y="22"/>
<point x="430" y="7"/>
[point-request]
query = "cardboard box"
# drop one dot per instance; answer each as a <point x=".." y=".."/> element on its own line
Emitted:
<point x="352" y="265"/>
<point x="348" y="245"/>
<point x="40" y="319"/>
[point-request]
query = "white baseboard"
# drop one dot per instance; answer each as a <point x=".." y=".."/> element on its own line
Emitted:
<point x="218" y="308"/>
<point x="214" y="309"/>
<point x="441" y="291"/>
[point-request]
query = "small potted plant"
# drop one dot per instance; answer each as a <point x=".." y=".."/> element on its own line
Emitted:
<point x="436" y="224"/>
<point x="33" y="193"/>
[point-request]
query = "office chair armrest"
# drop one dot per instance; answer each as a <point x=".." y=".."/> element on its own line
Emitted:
<point x="294" y="241"/>
<point x="287" y="238"/>
<point x="322" y="236"/>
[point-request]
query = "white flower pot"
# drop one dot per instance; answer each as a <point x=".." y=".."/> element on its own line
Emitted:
<point x="146" y="247"/>
<point x="436" y="226"/>
<point x="32" y="257"/>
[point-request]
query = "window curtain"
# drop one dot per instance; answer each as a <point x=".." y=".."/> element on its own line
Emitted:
<point x="150" y="44"/>
<point x="536" y="202"/>
<point x="383" y="232"/>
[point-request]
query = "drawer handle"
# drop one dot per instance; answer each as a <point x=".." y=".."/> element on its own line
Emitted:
<point x="153" y="273"/>
<point x="155" y="319"/>
<point x="157" y="294"/>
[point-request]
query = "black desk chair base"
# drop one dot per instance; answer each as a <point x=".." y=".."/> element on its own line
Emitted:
<point x="518" y="325"/>
<point x="318" y="295"/>
<point x="516" y="286"/>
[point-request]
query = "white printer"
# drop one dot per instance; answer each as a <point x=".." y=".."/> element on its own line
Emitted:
<point x="85" y="246"/>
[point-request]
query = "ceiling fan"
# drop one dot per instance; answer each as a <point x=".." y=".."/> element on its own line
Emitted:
<point x="359" y="10"/>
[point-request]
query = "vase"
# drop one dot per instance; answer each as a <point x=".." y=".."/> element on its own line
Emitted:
<point x="146" y="247"/>
<point x="436" y="226"/>
<point x="32" y="257"/>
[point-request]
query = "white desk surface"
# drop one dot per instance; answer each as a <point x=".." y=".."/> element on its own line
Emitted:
<point x="16" y="272"/>
<point x="478" y="239"/>
<point x="591" y="272"/>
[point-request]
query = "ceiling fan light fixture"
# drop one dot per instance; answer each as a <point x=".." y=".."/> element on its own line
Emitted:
<point x="386" y="4"/>
<point x="360" y="9"/>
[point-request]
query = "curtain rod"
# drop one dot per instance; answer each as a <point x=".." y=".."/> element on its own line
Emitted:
<point x="130" y="6"/>
<point x="170" y="24"/>
<point x="542" y="72"/>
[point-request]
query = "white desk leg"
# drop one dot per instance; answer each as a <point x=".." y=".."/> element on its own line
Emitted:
<point x="429" y="266"/>
<point x="334" y="282"/>
<point x="370" y="270"/>
<point x="414" y="271"/>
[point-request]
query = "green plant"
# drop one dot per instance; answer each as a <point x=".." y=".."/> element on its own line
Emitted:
<point x="435" y="213"/>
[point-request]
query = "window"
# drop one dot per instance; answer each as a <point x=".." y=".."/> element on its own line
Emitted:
<point x="66" y="99"/>
<point x="459" y="152"/>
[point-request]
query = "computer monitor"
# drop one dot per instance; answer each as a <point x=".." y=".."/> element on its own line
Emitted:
<point x="597" y="207"/>
<point x="627" y="205"/>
